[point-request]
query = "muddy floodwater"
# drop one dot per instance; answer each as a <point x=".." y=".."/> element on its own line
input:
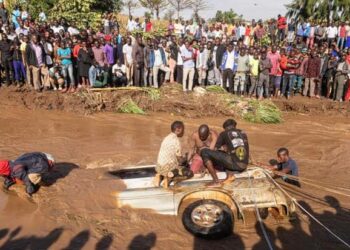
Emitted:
<point x="78" y="209"/>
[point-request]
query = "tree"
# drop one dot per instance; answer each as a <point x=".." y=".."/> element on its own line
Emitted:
<point x="199" y="5"/>
<point x="130" y="5"/>
<point x="80" y="11"/>
<point x="154" y="6"/>
<point x="323" y="10"/>
<point x="180" y="5"/>
<point x="226" y="16"/>
<point x="169" y="14"/>
<point x="107" y="5"/>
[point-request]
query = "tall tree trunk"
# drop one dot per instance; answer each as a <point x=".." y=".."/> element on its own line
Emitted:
<point x="157" y="13"/>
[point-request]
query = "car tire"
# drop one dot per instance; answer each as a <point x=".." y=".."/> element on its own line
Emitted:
<point x="220" y="225"/>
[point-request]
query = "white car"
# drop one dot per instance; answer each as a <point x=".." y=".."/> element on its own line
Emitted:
<point x="204" y="211"/>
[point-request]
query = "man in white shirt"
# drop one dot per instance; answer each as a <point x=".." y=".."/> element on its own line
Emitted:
<point x="119" y="74"/>
<point x="21" y="29"/>
<point x="177" y="28"/>
<point x="56" y="27"/>
<point x="131" y="24"/>
<point x="72" y="30"/>
<point x="127" y="52"/>
<point x="229" y="66"/>
<point x="159" y="63"/>
<point x="202" y="64"/>
<point x="188" y="67"/>
<point x="332" y="32"/>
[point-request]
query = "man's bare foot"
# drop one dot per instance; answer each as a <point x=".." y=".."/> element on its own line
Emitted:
<point x="157" y="180"/>
<point x="229" y="179"/>
<point x="214" y="184"/>
<point x="166" y="182"/>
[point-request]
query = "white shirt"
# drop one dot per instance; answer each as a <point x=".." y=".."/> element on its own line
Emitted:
<point x="119" y="70"/>
<point x="157" y="58"/>
<point x="187" y="54"/>
<point x="23" y="31"/>
<point x="42" y="17"/>
<point x="179" y="60"/>
<point x="332" y="32"/>
<point x="131" y="25"/>
<point x="230" y="62"/>
<point x="56" y="29"/>
<point x="178" y="28"/>
<point x="73" y="31"/>
<point x="127" y="51"/>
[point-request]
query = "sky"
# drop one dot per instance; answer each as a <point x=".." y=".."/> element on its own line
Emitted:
<point x="257" y="9"/>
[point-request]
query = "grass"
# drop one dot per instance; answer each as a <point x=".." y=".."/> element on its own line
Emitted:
<point x="130" y="107"/>
<point x="262" y="112"/>
<point x="215" y="89"/>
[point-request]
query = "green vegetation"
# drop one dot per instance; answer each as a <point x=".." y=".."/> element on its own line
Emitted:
<point x="322" y="10"/>
<point x="262" y="112"/>
<point x="227" y="16"/>
<point x="215" y="89"/>
<point x="130" y="107"/>
<point x="80" y="11"/>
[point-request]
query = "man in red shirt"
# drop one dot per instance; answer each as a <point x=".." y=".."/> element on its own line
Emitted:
<point x="281" y="25"/>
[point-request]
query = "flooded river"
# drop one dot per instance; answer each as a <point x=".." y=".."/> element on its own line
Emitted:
<point x="78" y="210"/>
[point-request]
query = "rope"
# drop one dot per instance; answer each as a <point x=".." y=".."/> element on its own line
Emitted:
<point x="309" y="214"/>
<point x="309" y="182"/>
<point x="259" y="217"/>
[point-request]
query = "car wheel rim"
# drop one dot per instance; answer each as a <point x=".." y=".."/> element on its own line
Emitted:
<point x="207" y="215"/>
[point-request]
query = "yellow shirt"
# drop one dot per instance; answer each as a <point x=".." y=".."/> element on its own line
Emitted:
<point x="254" y="66"/>
<point x="23" y="46"/>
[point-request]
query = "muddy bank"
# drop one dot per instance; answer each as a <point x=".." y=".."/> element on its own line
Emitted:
<point x="79" y="211"/>
<point x="170" y="99"/>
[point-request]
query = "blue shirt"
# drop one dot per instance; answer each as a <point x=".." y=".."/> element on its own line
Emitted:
<point x="290" y="164"/>
<point x="65" y="52"/>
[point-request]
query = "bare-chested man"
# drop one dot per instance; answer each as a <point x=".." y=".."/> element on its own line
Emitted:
<point x="203" y="138"/>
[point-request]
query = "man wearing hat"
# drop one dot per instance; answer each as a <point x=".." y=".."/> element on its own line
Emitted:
<point x="28" y="169"/>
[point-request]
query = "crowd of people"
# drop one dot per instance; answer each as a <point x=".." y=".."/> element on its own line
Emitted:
<point x="256" y="59"/>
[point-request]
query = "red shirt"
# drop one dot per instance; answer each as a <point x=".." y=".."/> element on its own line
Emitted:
<point x="148" y="27"/>
<point x="282" y="22"/>
<point x="4" y="168"/>
<point x="342" y="32"/>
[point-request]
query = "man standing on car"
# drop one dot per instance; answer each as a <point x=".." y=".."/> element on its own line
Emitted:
<point x="231" y="152"/>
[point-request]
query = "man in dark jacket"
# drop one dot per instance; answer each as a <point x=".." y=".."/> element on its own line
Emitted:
<point x="138" y="58"/>
<point x="28" y="168"/>
<point x="6" y="48"/>
<point x="35" y="58"/>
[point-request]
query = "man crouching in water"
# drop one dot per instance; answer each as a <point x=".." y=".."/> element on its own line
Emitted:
<point x="28" y="169"/>
<point x="171" y="162"/>
<point x="231" y="152"/>
<point x="204" y="137"/>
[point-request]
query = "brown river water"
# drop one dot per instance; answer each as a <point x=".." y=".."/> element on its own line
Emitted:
<point x="78" y="210"/>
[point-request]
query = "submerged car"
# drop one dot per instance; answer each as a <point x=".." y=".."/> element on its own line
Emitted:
<point x="204" y="211"/>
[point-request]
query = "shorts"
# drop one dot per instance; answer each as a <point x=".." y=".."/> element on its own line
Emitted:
<point x="222" y="159"/>
<point x="197" y="165"/>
